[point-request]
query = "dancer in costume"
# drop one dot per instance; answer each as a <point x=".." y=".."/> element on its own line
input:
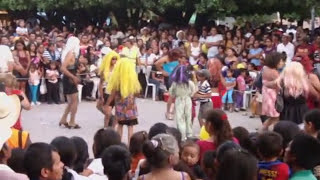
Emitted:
<point x="123" y="85"/>
<point x="70" y="81"/>
<point x="105" y="70"/>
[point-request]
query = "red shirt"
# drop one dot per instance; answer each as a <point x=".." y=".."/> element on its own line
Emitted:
<point x="209" y="146"/>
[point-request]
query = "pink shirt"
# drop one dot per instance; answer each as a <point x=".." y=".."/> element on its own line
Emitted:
<point x="241" y="83"/>
<point x="52" y="75"/>
<point x="34" y="78"/>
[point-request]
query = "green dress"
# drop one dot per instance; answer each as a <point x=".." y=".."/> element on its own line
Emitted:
<point x="183" y="106"/>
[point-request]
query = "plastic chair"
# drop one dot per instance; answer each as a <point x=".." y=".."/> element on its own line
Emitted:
<point x="80" y="86"/>
<point x="153" y="86"/>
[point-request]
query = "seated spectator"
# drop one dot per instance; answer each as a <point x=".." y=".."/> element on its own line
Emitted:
<point x="136" y="142"/>
<point x="302" y="155"/>
<point x="116" y="162"/>
<point x="102" y="140"/>
<point x="269" y="146"/>
<point x="312" y="123"/>
<point x="237" y="164"/>
<point x="80" y="162"/>
<point x="67" y="152"/>
<point x="42" y="162"/>
<point x="15" y="162"/>
<point x="208" y="164"/>
<point x="162" y="152"/>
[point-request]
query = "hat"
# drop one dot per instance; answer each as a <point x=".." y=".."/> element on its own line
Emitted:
<point x="143" y="29"/>
<point x="105" y="50"/>
<point x="204" y="73"/>
<point x="285" y="34"/>
<point x="10" y="108"/>
<point x="179" y="33"/>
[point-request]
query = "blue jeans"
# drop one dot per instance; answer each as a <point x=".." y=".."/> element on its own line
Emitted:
<point x="227" y="97"/>
<point x="157" y="83"/>
<point x="34" y="92"/>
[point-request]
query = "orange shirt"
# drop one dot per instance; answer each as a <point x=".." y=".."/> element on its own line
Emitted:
<point x="135" y="160"/>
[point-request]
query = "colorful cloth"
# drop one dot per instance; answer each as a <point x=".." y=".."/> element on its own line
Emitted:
<point x="275" y="170"/>
<point x="126" y="109"/>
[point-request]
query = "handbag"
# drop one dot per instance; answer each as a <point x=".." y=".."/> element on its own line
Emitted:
<point x="279" y="104"/>
<point x="43" y="86"/>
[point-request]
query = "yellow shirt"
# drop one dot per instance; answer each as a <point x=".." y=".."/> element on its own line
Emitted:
<point x="132" y="53"/>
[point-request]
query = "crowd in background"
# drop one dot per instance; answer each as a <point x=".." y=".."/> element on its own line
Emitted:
<point x="214" y="67"/>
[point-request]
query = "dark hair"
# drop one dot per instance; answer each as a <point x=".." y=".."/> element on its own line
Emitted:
<point x="21" y="42"/>
<point x="208" y="162"/>
<point x="306" y="151"/>
<point x="16" y="159"/>
<point x="288" y="130"/>
<point x="158" y="128"/>
<point x="237" y="164"/>
<point x="136" y="142"/>
<point x="190" y="143"/>
<point x="204" y="55"/>
<point x="103" y="139"/>
<point x="37" y="157"/>
<point x="242" y="134"/>
<point x="225" y="147"/>
<point x="220" y="125"/>
<point x="183" y="167"/>
<point x="269" y="145"/>
<point x="313" y="117"/>
<point x="66" y="150"/>
<point x="273" y="59"/>
<point x="82" y="153"/>
<point x="116" y="161"/>
<point x="175" y="133"/>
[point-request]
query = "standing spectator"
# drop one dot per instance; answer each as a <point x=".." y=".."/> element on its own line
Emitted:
<point x="194" y="50"/>
<point x="255" y="54"/>
<point x="304" y="48"/>
<point x="51" y="54"/>
<point x="227" y="98"/>
<point x="213" y="41"/>
<point x="286" y="47"/>
<point x="269" y="47"/>
<point x="241" y="85"/>
<point x="34" y="81"/>
<point x="53" y="86"/>
<point x="22" y="57"/>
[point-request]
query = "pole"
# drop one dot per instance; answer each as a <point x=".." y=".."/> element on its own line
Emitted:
<point x="312" y="21"/>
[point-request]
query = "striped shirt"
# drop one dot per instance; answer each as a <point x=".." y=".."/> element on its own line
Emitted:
<point x="52" y="56"/>
<point x="204" y="88"/>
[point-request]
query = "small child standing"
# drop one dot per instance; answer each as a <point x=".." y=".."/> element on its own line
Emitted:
<point x="204" y="94"/>
<point x="269" y="146"/>
<point x="34" y="82"/>
<point x="52" y="75"/>
<point x="230" y="83"/>
<point x="182" y="89"/>
<point x="241" y="85"/>
<point x="190" y="155"/>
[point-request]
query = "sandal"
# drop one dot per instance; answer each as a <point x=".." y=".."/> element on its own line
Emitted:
<point x="65" y="124"/>
<point x="76" y="126"/>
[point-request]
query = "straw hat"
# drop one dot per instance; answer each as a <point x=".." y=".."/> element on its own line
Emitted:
<point x="10" y="108"/>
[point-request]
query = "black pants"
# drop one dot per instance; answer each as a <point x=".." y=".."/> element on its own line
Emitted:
<point x="53" y="92"/>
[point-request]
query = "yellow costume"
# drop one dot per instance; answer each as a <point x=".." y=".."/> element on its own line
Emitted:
<point x="124" y="79"/>
<point x="105" y="65"/>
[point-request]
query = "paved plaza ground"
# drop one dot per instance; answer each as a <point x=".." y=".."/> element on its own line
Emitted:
<point x="42" y="121"/>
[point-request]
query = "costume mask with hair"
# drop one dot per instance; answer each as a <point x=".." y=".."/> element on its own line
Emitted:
<point x="73" y="45"/>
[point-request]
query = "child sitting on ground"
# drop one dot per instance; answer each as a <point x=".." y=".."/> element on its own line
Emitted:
<point x="204" y="94"/>
<point x="190" y="155"/>
<point x="269" y="146"/>
<point x="230" y="83"/>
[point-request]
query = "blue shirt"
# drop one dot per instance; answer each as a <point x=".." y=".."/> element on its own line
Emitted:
<point x="169" y="67"/>
<point x="255" y="61"/>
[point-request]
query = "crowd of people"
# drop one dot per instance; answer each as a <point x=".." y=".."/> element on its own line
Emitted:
<point x="273" y="70"/>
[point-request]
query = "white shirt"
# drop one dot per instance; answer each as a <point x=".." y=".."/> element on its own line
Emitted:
<point x="288" y="49"/>
<point x="76" y="176"/>
<point x="214" y="49"/>
<point x="5" y="58"/>
<point x="21" y="30"/>
<point x="96" y="167"/>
